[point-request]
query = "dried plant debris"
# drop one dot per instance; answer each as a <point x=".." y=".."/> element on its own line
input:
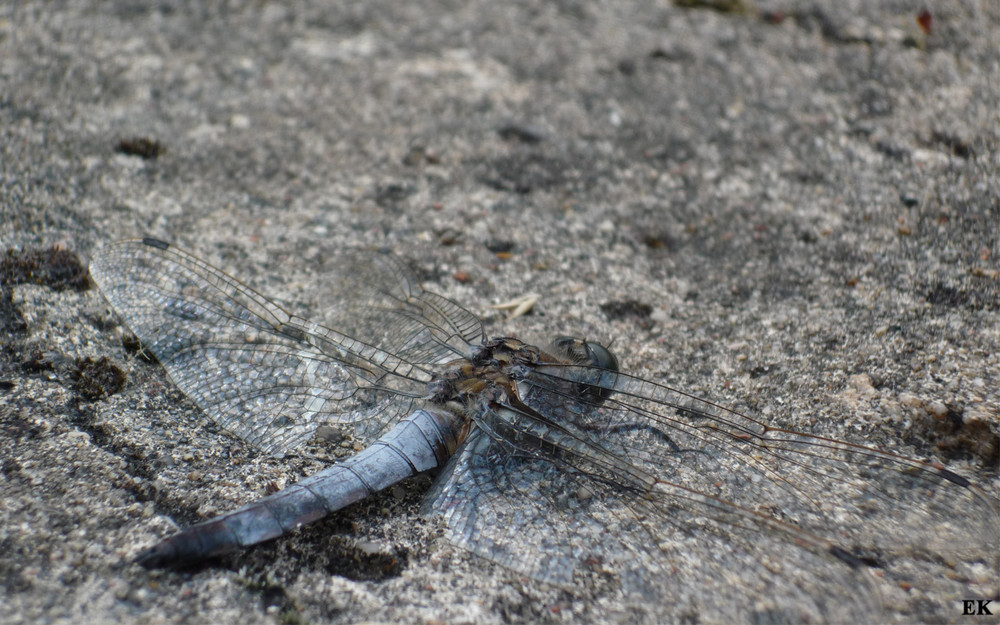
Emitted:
<point x="961" y="435"/>
<point x="973" y="296"/>
<point x="956" y="145"/>
<point x="392" y="193"/>
<point x="719" y="6"/>
<point x="529" y="134"/>
<point x="133" y="346"/>
<point x="361" y="560"/>
<point x="143" y="147"/>
<point x="11" y="319"/>
<point x="518" y="306"/>
<point x="500" y="246"/>
<point x="629" y="310"/>
<point x="56" y="267"/>
<point x="36" y="361"/>
<point x="524" y="173"/>
<point x="97" y="379"/>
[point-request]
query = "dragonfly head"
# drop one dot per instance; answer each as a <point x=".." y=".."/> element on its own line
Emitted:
<point x="583" y="352"/>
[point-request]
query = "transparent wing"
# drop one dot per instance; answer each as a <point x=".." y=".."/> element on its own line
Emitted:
<point x="545" y="517"/>
<point x="377" y="299"/>
<point x="881" y="500"/>
<point x="674" y="497"/>
<point x="265" y="375"/>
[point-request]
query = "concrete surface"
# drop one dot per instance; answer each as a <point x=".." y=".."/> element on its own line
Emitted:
<point x="788" y="207"/>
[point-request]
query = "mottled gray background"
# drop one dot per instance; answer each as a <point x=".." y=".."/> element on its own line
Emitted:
<point x="790" y="207"/>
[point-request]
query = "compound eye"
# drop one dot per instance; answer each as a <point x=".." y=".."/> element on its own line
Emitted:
<point x="594" y="384"/>
<point x="581" y="351"/>
<point x="601" y="356"/>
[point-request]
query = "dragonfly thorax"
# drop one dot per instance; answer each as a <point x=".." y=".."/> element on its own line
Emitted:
<point x="486" y="375"/>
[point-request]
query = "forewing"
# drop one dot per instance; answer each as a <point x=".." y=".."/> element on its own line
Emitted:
<point x="869" y="499"/>
<point x="267" y="376"/>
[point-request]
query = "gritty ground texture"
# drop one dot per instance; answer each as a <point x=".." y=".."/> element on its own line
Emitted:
<point x="788" y="207"/>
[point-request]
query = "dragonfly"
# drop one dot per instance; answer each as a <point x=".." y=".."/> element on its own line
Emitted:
<point x="550" y="461"/>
